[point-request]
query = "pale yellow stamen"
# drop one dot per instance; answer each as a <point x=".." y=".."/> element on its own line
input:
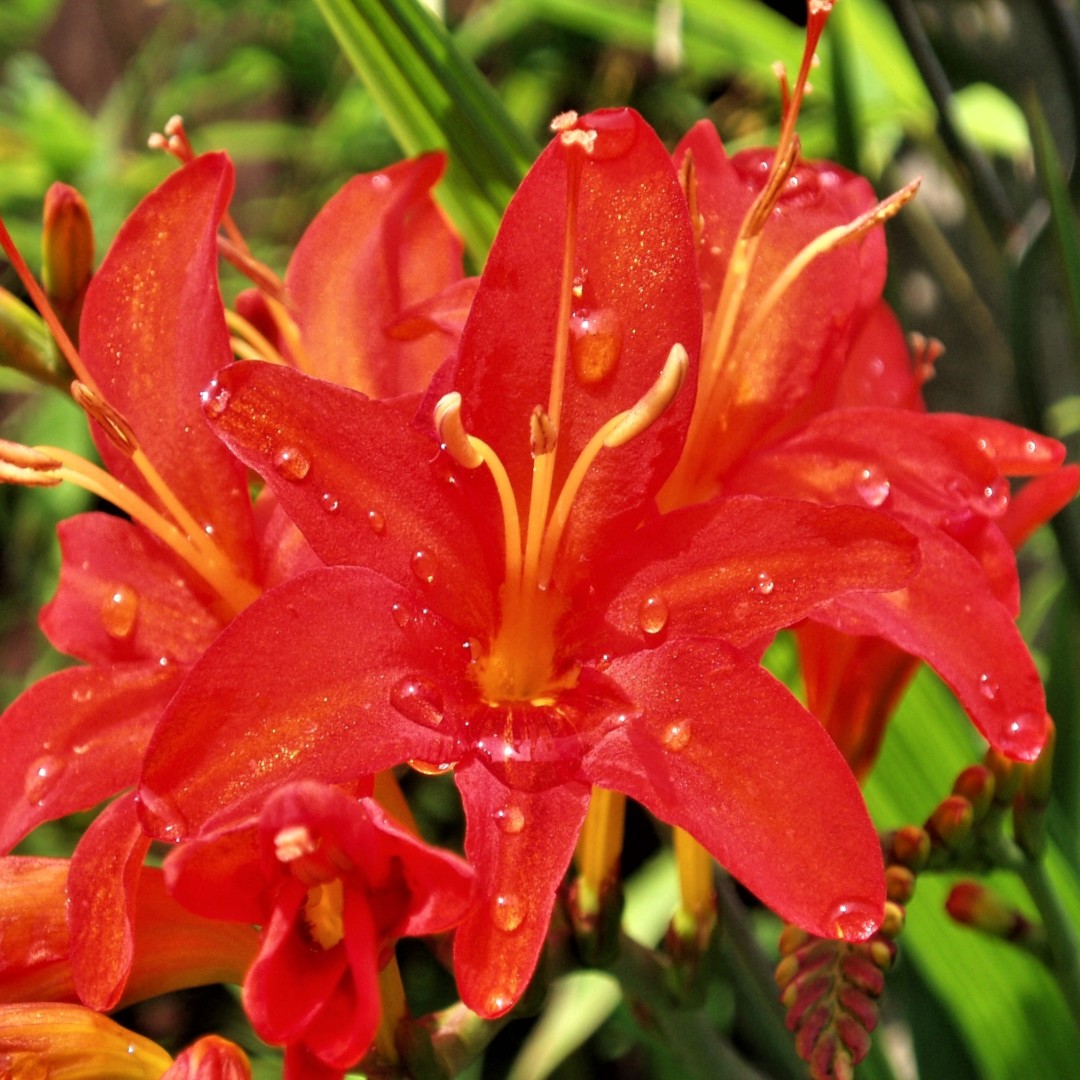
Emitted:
<point x="324" y="913"/>
<point x="247" y="342"/>
<point x="293" y="842"/>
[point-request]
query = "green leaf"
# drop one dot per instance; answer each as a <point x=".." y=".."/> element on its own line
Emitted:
<point x="433" y="98"/>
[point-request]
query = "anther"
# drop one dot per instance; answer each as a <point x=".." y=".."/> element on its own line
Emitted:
<point x="24" y="465"/>
<point x="564" y="121"/>
<point x="654" y="402"/>
<point x="452" y="433"/>
<point x="577" y="137"/>
<point x="113" y="424"/>
<point x="293" y="842"/>
<point x="542" y="433"/>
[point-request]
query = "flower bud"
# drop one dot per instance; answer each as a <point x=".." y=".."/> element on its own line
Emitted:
<point x="211" y="1058"/>
<point x="1033" y="799"/>
<point x="1007" y="776"/>
<point x="909" y="846"/>
<point x="950" y="822"/>
<point x="976" y="784"/>
<point x="67" y="253"/>
<point x="25" y="344"/>
<point x="974" y="904"/>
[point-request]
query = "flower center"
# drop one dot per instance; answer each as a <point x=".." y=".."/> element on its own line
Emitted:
<point x="520" y="665"/>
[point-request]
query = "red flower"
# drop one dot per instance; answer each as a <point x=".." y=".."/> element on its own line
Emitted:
<point x="806" y="390"/>
<point x="533" y="622"/>
<point x="334" y="884"/>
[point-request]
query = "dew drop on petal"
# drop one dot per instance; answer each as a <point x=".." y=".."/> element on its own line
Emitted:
<point x="1027" y="729"/>
<point x="419" y="700"/>
<point x="764" y="584"/>
<point x="473" y="649"/>
<point x="653" y="614"/>
<point x="426" y="768"/>
<point x="677" y="735"/>
<point x="988" y="687"/>
<point x="510" y="819"/>
<point x="508" y="912"/>
<point x="401" y="615"/>
<point x="215" y="400"/>
<point x="376" y="522"/>
<point x="423" y="565"/>
<point x="119" y="610"/>
<point x="872" y="486"/>
<point x="42" y="777"/>
<point x="329" y="502"/>
<point x="995" y="498"/>
<point x="291" y="463"/>
<point x="595" y="344"/>
<point x="854" y="920"/>
<point x="616" y="133"/>
<point x="161" y="817"/>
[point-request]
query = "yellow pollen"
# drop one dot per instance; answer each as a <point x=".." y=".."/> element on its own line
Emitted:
<point x="323" y="913"/>
<point x="292" y="842"/>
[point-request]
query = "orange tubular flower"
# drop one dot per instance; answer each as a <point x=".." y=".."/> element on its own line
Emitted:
<point x="514" y="609"/>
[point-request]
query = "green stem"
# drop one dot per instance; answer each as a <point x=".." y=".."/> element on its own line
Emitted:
<point x="688" y="1034"/>
<point x="1061" y="934"/>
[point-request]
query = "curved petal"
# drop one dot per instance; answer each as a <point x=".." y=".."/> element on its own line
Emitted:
<point x="948" y="616"/>
<point x="878" y="369"/>
<point x="722" y="750"/>
<point x="1037" y="502"/>
<point x="123" y="596"/>
<point x="76" y="738"/>
<point x="33" y="927"/>
<point x="636" y="294"/>
<point x="300" y="684"/>
<point x="358" y="481"/>
<point x="742" y="567"/>
<point x="102" y="884"/>
<point x="377" y="248"/>
<point x="520" y="845"/>
<point x="153" y="333"/>
<point x="767" y="383"/>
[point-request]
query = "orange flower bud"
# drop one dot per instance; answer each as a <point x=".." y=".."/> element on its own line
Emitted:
<point x="977" y="906"/>
<point x="67" y="253"/>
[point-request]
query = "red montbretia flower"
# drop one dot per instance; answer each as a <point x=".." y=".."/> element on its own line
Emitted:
<point x="334" y="884"/>
<point x="512" y="606"/>
<point x="807" y="390"/>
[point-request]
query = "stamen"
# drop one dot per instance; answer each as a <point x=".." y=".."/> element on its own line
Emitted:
<point x="542" y="433"/>
<point x="654" y="402"/>
<point x="452" y="434"/>
<point x="564" y="121"/>
<point x="600" y="845"/>
<point x="112" y="423"/>
<point x="324" y="913"/>
<point x="292" y="842"/>
<point x="787" y="157"/>
<point x="688" y="183"/>
<point x="247" y="342"/>
<point x="925" y="353"/>
<point x="26" y="466"/>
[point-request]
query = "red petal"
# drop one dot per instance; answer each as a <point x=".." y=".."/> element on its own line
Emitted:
<point x="377" y="248"/>
<point x="297" y="685"/>
<point x="291" y="980"/>
<point x="123" y="596"/>
<point x="634" y="261"/>
<point x="76" y="738"/>
<point x="948" y="616"/>
<point x="210" y="1058"/>
<point x="153" y="333"/>
<point x="105" y="871"/>
<point x="725" y="752"/>
<point x="33" y="928"/>
<point x="358" y="480"/>
<point x="1038" y="501"/>
<point x="878" y="369"/>
<point x="742" y="567"/>
<point x="802" y="343"/>
<point x="520" y="844"/>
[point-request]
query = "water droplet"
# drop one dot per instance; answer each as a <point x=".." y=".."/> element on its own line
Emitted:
<point x="497" y="1004"/>
<point x="987" y="687"/>
<point x="118" y="612"/>
<point x="653" y="614"/>
<point x="419" y="700"/>
<point x="423" y="565"/>
<point x="508" y="912"/>
<point x="42" y="778"/>
<point x="401" y="615"/>
<point x="595" y="344"/>
<point x="161" y="817"/>
<point x="329" y="502"/>
<point x="510" y="819"/>
<point x="764" y="584"/>
<point x="616" y="132"/>
<point x="215" y="400"/>
<point x="381" y="182"/>
<point x="426" y="768"/>
<point x="376" y="522"/>
<point x="1030" y="446"/>
<point x="1026" y="733"/>
<point x="291" y="463"/>
<point x="872" y="486"/>
<point x="677" y="735"/>
<point x="473" y="649"/>
<point x="995" y="498"/>
<point x="854" y="920"/>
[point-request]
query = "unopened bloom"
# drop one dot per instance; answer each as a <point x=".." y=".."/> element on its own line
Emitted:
<point x="514" y="609"/>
